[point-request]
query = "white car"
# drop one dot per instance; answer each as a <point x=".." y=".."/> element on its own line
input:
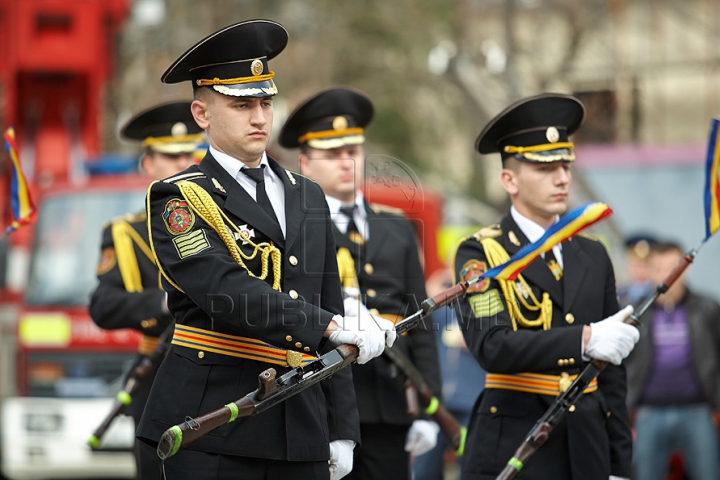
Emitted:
<point x="45" y="438"/>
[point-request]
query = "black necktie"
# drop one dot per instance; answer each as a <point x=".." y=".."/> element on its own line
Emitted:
<point x="352" y="230"/>
<point x="261" y="196"/>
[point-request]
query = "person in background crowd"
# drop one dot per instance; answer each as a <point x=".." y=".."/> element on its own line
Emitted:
<point x="674" y="376"/>
<point x="639" y="283"/>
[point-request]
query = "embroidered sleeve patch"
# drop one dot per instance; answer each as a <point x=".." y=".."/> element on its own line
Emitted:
<point x="107" y="261"/>
<point x="178" y="217"/>
<point x="487" y="304"/>
<point x="192" y="243"/>
<point x="470" y="271"/>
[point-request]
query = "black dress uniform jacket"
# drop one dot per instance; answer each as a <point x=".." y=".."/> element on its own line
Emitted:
<point x="218" y="294"/>
<point x="391" y="282"/>
<point x="113" y="307"/>
<point x="594" y="441"/>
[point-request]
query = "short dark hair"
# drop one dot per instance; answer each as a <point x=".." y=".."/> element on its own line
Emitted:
<point x="665" y="247"/>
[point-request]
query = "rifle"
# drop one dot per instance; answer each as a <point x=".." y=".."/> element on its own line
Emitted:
<point x="453" y="432"/>
<point x="135" y="379"/>
<point x="561" y="406"/>
<point x="272" y="390"/>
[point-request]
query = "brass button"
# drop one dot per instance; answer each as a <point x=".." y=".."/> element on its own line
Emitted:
<point x="201" y="354"/>
<point x="570" y="318"/>
<point x="293" y="260"/>
<point x="307" y="349"/>
<point x="298" y="344"/>
<point x="572" y="408"/>
<point x="288" y="338"/>
<point x="493" y="409"/>
<point x="572" y="361"/>
<point x="374" y="311"/>
<point x="371" y="293"/>
<point x="561" y="363"/>
<point x="369" y="269"/>
<point x="293" y="294"/>
<point x="608" y="414"/>
<point x="149" y="323"/>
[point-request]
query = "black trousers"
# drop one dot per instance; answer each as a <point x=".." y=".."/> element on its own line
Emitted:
<point x="382" y="455"/>
<point x="192" y="465"/>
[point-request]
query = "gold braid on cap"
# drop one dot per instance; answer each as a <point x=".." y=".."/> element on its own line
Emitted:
<point x="202" y="203"/>
<point x="496" y="255"/>
<point x="190" y="138"/>
<point x="204" y="82"/>
<point x="539" y="148"/>
<point x="330" y="134"/>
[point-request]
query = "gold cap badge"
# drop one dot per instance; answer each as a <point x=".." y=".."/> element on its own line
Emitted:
<point x="552" y="134"/>
<point x="256" y="67"/>
<point x="179" y="130"/>
<point x="340" y="123"/>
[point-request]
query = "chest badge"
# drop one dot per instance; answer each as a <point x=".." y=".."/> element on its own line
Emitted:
<point x="247" y="233"/>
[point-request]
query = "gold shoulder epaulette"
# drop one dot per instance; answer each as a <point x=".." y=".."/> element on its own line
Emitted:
<point x="127" y="217"/>
<point x="487" y="232"/>
<point x="380" y="208"/>
<point x="292" y="174"/>
<point x="185" y="176"/>
<point x="588" y="236"/>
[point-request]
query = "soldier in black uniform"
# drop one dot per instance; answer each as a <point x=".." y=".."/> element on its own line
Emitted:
<point x="533" y="334"/>
<point x="247" y="257"/>
<point x="329" y="130"/>
<point x="129" y="293"/>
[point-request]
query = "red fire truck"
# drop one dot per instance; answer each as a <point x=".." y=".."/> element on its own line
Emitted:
<point x="58" y="371"/>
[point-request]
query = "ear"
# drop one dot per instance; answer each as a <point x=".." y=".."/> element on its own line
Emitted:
<point x="200" y="114"/>
<point x="508" y="178"/>
<point x="303" y="164"/>
<point x="146" y="163"/>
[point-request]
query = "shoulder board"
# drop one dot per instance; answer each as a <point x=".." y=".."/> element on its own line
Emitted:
<point x="129" y="218"/>
<point x="379" y="208"/>
<point x="487" y="232"/>
<point x="185" y="176"/>
<point x="291" y="175"/>
<point x="588" y="236"/>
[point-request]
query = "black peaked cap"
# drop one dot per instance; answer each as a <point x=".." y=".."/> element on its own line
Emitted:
<point x="317" y="111"/>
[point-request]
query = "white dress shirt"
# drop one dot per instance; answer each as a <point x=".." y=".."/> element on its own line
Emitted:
<point x="533" y="232"/>
<point x="273" y="184"/>
<point x="341" y="220"/>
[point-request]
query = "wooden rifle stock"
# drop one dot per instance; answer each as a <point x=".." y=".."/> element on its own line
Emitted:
<point x="272" y="391"/>
<point x="560" y="407"/>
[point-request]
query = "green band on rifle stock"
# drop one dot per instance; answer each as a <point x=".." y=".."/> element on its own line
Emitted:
<point x="124" y="397"/>
<point x="463" y="436"/>
<point x="515" y="463"/>
<point x="177" y="440"/>
<point x="233" y="412"/>
<point x="93" y="441"/>
<point x="433" y="407"/>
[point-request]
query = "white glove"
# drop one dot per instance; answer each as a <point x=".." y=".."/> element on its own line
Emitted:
<point x="611" y="340"/>
<point x="353" y="303"/>
<point x="368" y="332"/>
<point x="341" y="458"/>
<point x="422" y="437"/>
<point x="613" y="477"/>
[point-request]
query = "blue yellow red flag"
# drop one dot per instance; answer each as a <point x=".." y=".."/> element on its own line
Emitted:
<point x="712" y="182"/>
<point x="569" y="225"/>
<point x="22" y="206"/>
